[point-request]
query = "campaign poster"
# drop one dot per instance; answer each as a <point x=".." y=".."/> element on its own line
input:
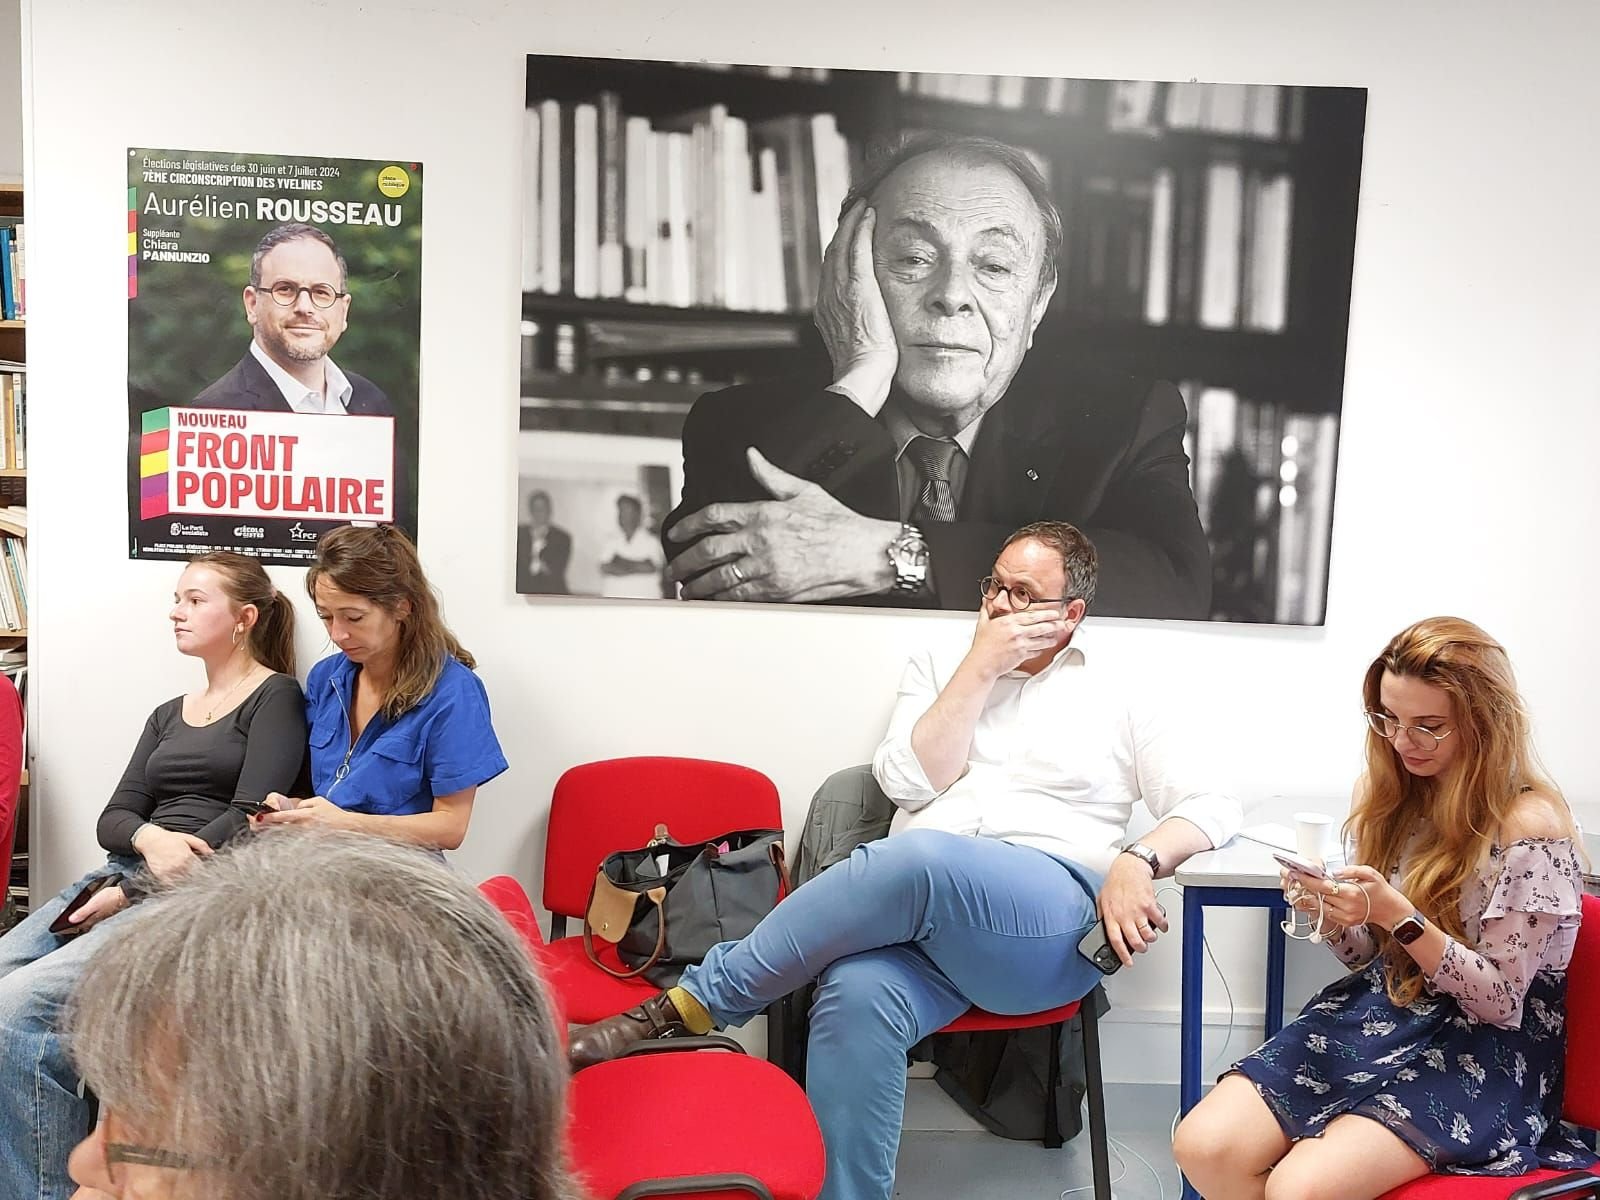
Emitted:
<point x="274" y="318"/>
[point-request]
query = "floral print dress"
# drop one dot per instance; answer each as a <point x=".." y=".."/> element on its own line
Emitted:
<point x="1469" y="1076"/>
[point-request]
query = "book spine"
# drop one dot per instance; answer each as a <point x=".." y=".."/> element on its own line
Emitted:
<point x="640" y="204"/>
<point x="550" y="197"/>
<point x="532" y="261"/>
<point x="611" y="186"/>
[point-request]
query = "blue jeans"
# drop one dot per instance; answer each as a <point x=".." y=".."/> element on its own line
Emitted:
<point x="903" y="937"/>
<point x="42" y="1116"/>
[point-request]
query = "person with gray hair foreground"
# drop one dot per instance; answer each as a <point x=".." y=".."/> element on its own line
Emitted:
<point x="319" y="1016"/>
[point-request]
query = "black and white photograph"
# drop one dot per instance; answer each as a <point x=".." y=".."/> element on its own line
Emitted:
<point x="810" y="335"/>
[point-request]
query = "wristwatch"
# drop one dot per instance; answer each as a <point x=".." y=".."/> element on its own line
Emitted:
<point x="1145" y="855"/>
<point x="1409" y="929"/>
<point x="908" y="555"/>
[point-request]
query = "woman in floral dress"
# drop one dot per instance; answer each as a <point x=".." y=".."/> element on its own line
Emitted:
<point x="1443" y="1050"/>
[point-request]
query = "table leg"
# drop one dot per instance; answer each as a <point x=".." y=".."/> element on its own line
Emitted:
<point x="1276" y="944"/>
<point x="1192" y="1019"/>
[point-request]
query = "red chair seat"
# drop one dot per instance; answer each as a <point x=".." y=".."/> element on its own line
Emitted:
<point x="1467" y="1187"/>
<point x="705" y="1112"/>
<point x="976" y="1019"/>
<point x="587" y="993"/>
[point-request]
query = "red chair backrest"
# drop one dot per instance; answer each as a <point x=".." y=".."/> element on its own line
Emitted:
<point x="507" y="895"/>
<point x="617" y="803"/>
<point x="1582" y="1101"/>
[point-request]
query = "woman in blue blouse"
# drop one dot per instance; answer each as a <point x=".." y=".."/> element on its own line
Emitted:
<point x="400" y="732"/>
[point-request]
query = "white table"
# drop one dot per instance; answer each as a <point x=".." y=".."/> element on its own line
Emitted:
<point x="1239" y="874"/>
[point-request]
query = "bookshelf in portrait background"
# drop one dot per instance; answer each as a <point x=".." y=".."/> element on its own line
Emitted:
<point x="13" y="506"/>
<point x="675" y="217"/>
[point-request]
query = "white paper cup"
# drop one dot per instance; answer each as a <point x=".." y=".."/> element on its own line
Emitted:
<point x="1313" y="835"/>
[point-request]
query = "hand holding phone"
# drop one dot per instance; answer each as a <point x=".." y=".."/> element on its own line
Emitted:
<point x="1095" y="946"/>
<point x="1294" y="862"/>
<point x="64" y="924"/>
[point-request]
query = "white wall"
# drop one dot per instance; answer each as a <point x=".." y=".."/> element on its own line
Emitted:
<point x="1470" y="415"/>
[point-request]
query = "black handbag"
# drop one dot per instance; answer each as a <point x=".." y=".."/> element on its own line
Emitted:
<point x="666" y="904"/>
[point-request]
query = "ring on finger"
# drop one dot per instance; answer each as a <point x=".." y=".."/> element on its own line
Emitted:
<point x="737" y="572"/>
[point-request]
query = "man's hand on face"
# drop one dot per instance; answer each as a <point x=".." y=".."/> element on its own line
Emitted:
<point x="1003" y="643"/>
<point x="851" y="315"/>
<point x="1128" y="906"/>
<point x="799" y="547"/>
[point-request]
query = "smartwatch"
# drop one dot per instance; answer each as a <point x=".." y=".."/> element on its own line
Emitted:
<point x="908" y="555"/>
<point x="1409" y="929"/>
<point x="1145" y="855"/>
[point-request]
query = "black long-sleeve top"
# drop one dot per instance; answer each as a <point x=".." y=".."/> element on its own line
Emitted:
<point x="186" y="778"/>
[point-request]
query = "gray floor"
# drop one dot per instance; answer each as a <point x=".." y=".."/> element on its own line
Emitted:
<point x="943" y="1153"/>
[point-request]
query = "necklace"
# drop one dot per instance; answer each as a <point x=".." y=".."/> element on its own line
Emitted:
<point x="216" y="704"/>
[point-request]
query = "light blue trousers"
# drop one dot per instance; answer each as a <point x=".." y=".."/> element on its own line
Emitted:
<point x="42" y="1117"/>
<point x="903" y="937"/>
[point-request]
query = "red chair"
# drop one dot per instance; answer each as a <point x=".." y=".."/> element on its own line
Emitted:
<point x="616" y="804"/>
<point x="976" y="1019"/>
<point x="1580" y="1105"/>
<point x="667" y="1121"/>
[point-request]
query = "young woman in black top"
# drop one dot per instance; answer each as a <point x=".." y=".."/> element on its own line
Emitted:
<point x="204" y="763"/>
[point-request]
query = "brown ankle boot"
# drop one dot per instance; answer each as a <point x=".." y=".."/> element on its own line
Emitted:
<point x="657" y="1017"/>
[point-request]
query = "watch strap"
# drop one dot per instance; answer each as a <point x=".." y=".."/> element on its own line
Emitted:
<point x="1145" y="855"/>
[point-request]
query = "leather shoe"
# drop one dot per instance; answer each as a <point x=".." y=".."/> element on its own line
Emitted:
<point x="657" y="1017"/>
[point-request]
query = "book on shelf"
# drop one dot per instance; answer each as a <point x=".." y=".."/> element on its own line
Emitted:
<point x="1259" y="111"/>
<point x="13" y="269"/>
<point x="13" y="416"/>
<point x="1263" y="480"/>
<point x="13" y="583"/>
<point x="697" y="209"/>
<point x="1207" y="246"/>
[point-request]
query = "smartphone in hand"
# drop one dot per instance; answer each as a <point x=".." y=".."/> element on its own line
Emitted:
<point x="64" y="924"/>
<point x="1095" y="946"/>
<point x="1303" y="865"/>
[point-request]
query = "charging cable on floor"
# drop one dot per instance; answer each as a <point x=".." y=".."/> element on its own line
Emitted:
<point x="1120" y="1149"/>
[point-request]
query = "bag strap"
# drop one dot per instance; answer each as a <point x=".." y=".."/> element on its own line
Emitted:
<point x="655" y="896"/>
<point x="775" y="853"/>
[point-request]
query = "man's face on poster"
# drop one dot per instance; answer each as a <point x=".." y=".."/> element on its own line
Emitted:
<point x="630" y="515"/>
<point x="959" y="255"/>
<point x="297" y="332"/>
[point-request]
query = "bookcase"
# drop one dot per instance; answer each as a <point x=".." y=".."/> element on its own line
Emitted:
<point x="675" y="213"/>
<point x="14" y="513"/>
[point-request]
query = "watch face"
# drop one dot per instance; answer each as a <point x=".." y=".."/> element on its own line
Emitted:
<point x="1408" y="930"/>
<point x="909" y="550"/>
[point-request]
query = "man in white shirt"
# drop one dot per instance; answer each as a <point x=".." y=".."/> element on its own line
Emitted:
<point x="298" y="305"/>
<point x="1015" y="770"/>
<point x="631" y="559"/>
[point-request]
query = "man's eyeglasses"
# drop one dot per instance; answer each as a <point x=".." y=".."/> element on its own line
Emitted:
<point x="1388" y="728"/>
<point x="990" y="587"/>
<point x="323" y="295"/>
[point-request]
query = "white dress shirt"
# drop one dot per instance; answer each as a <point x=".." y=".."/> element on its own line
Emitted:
<point x="1057" y="761"/>
<point x="334" y="399"/>
<point x="643" y="546"/>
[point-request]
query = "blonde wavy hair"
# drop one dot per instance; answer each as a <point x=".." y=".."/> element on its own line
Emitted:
<point x="1468" y="804"/>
